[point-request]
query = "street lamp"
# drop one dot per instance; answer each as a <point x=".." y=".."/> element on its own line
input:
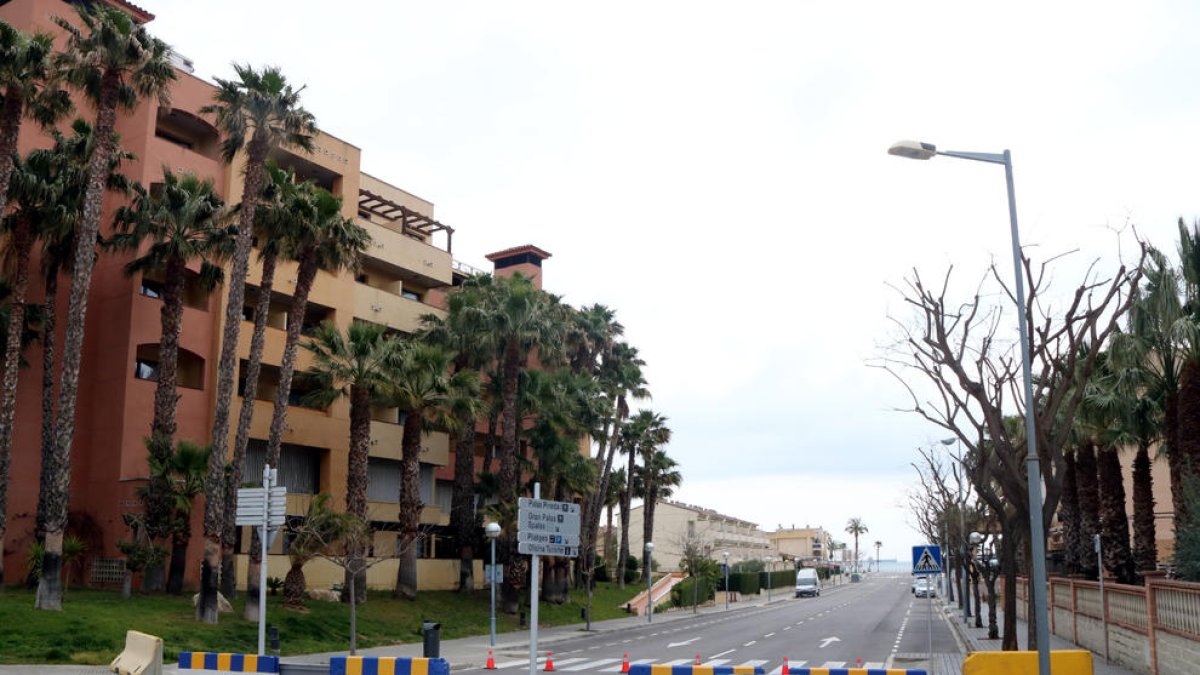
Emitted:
<point x="649" y="582"/>
<point x="726" y="555"/>
<point x="492" y="530"/>
<point x="769" y="566"/>
<point x="917" y="150"/>
<point x="962" y="530"/>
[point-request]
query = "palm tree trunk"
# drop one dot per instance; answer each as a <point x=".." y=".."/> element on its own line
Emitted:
<point x="287" y="369"/>
<point x="294" y="586"/>
<point x="49" y="594"/>
<point x="648" y="527"/>
<point x="165" y="395"/>
<point x="179" y="547"/>
<point x="21" y="243"/>
<point x="508" y="468"/>
<point x="10" y="127"/>
<point x="245" y="417"/>
<point x="49" y="338"/>
<point x="1174" y="460"/>
<point x="357" y="478"/>
<point x="626" y="503"/>
<point x="214" y="507"/>
<point x="609" y="539"/>
<point x="593" y="507"/>
<point x="410" y="505"/>
<point x="1145" y="547"/>
<point x="462" y="506"/>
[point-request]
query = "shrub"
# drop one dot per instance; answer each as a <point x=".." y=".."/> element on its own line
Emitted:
<point x="601" y="573"/>
<point x="745" y="583"/>
<point x="681" y="593"/>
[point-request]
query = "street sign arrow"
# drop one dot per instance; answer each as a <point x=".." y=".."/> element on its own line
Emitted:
<point x="685" y="642"/>
<point x="542" y="538"/>
<point x="826" y="641"/>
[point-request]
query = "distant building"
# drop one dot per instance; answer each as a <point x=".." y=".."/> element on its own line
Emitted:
<point x="806" y="545"/>
<point x="675" y="524"/>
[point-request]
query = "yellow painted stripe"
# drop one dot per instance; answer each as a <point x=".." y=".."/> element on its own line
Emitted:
<point x="702" y="670"/>
<point x="224" y="661"/>
<point x="743" y="670"/>
<point x="660" y="670"/>
<point x="197" y="660"/>
<point x="386" y="666"/>
<point x="818" y="671"/>
<point x="419" y="667"/>
<point x="250" y="663"/>
<point x="897" y="671"/>
<point x="354" y="665"/>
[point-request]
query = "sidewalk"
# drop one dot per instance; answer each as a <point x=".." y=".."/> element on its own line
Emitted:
<point x="975" y="640"/>
<point x="471" y="651"/>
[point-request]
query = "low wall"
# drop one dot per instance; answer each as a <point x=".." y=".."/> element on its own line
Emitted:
<point x="436" y="574"/>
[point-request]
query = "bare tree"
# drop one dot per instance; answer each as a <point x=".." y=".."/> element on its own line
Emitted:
<point x="975" y="383"/>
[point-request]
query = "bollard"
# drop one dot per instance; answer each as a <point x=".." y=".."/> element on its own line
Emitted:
<point x="273" y="638"/>
<point x="433" y="636"/>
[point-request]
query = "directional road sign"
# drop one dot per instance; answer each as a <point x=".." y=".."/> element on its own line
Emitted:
<point x="252" y="501"/>
<point x="531" y="548"/>
<point x="543" y="538"/>
<point x="927" y="560"/>
<point x="547" y="517"/>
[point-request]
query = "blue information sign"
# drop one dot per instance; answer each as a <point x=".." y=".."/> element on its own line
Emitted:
<point x="927" y="560"/>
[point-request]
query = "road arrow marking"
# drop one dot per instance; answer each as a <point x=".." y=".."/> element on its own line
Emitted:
<point x="826" y="641"/>
<point x="685" y="642"/>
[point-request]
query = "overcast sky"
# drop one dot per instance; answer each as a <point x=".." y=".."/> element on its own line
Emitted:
<point x="717" y="173"/>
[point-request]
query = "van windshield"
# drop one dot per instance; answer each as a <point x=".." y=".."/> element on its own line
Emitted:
<point x="806" y="582"/>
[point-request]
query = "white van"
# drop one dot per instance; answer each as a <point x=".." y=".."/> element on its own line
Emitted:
<point x="807" y="582"/>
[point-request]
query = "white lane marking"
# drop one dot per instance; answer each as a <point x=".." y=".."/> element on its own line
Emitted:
<point x="625" y="642"/>
<point x="873" y="664"/>
<point x="592" y="664"/>
<point x="716" y="662"/>
<point x="727" y="651"/>
<point x="510" y="664"/>
<point x="564" y="662"/>
<point x="767" y="635"/>
<point x="750" y="643"/>
<point x="834" y="664"/>
<point x="677" y="662"/>
<point x="617" y="669"/>
<point x="786" y="628"/>
<point x="752" y="663"/>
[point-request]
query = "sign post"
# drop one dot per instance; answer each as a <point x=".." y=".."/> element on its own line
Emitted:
<point x="265" y="508"/>
<point x="927" y="560"/>
<point x="544" y="528"/>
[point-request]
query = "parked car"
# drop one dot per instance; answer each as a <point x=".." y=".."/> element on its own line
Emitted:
<point x="924" y="587"/>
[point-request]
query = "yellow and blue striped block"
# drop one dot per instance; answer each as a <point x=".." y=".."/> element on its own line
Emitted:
<point x="855" y="671"/>
<point x="689" y="669"/>
<point x="233" y="663"/>
<point x="387" y="665"/>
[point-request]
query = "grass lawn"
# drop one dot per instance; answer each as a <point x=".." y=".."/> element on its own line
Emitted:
<point x="91" y="628"/>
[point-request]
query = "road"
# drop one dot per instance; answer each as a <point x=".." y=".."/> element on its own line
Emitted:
<point x="876" y="621"/>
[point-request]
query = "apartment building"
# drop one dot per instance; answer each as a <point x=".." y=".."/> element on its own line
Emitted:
<point x="805" y="545"/>
<point x="404" y="275"/>
<point x="677" y="524"/>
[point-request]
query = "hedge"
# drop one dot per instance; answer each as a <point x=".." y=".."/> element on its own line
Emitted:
<point x="746" y="583"/>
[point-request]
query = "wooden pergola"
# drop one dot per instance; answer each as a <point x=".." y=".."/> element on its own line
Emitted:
<point x="410" y="221"/>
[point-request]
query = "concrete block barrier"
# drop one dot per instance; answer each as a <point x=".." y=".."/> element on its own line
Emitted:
<point x="143" y="655"/>
<point x="1062" y="662"/>
<point x="689" y="669"/>
<point x="387" y="665"/>
<point x="858" y="671"/>
<point x="225" y="662"/>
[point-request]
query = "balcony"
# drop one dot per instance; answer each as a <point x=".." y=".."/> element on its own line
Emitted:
<point x="410" y="256"/>
<point x="388" y="309"/>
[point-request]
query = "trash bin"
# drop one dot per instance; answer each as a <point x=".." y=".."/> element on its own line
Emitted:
<point x="433" y="638"/>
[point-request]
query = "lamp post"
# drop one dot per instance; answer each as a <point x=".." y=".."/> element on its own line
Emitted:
<point x="962" y="531"/>
<point x="649" y="582"/>
<point x="492" y="530"/>
<point x="726" y="556"/>
<point x="1033" y="470"/>
<point x="770" y="560"/>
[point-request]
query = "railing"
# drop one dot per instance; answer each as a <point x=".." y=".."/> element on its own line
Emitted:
<point x="1177" y="607"/>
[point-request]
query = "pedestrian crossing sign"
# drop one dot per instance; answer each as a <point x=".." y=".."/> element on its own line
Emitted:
<point x="927" y="560"/>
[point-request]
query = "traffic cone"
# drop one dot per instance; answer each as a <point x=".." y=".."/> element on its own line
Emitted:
<point x="625" y="663"/>
<point x="697" y="659"/>
<point x="785" y="670"/>
<point x="491" y="662"/>
<point x="860" y="663"/>
<point x="549" y="664"/>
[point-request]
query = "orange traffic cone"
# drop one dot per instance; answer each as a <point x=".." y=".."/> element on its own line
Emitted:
<point x="785" y="670"/>
<point x="860" y="663"/>
<point x="491" y="662"/>
<point x="625" y="663"/>
<point x="697" y="659"/>
<point x="549" y="664"/>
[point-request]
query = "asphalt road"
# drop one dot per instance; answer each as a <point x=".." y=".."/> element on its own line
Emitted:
<point x="876" y="623"/>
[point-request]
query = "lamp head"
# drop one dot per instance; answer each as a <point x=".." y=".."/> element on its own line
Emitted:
<point x="948" y="441"/>
<point x="913" y="149"/>
<point x="649" y="546"/>
<point x="976" y="538"/>
<point x="492" y="530"/>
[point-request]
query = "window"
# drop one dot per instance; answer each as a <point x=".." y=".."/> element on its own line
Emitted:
<point x="691" y="528"/>
<point x="360" y="278"/>
<point x="144" y="369"/>
<point x="383" y="480"/>
<point x="410" y="295"/>
<point x="299" y="466"/>
<point x="151" y="288"/>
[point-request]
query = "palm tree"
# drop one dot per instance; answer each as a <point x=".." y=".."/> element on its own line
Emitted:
<point x="28" y="82"/>
<point x="657" y="476"/>
<point x="612" y="499"/>
<point x="856" y="527"/>
<point x="621" y="378"/>
<point x="357" y="366"/>
<point x="115" y="64"/>
<point x="461" y="331"/>
<point x="187" y="468"/>
<point x="177" y="225"/>
<point x="320" y="529"/>
<point x="274" y="224"/>
<point x="265" y="108"/>
<point x="645" y="432"/>
<point x="425" y="390"/>
<point x="323" y="239"/>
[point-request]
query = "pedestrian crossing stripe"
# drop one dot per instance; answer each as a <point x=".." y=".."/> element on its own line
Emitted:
<point x="927" y="560"/>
